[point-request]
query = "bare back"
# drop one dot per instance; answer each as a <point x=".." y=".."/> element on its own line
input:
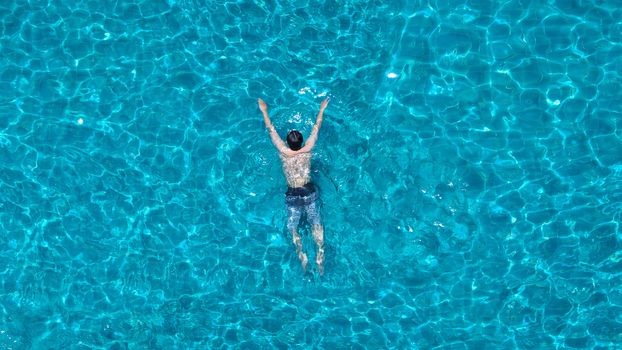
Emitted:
<point x="296" y="168"/>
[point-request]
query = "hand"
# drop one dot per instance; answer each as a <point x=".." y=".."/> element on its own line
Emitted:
<point x="324" y="103"/>
<point x="262" y="105"/>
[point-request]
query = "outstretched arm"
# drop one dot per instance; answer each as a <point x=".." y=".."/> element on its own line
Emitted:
<point x="276" y="140"/>
<point x="316" y="128"/>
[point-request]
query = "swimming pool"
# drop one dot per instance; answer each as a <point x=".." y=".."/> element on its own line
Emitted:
<point x="469" y="168"/>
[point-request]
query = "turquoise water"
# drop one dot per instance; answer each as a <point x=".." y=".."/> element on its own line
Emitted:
<point x="469" y="167"/>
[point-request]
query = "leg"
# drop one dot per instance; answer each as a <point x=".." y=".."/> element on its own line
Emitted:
<point x="318" y="237"/>
<point x="313" y="216"/>
<point x="293" y="218"/>
<point x="301" y="255"/>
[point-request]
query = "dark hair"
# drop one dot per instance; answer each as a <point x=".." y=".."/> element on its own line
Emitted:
<point x="294" y="140"/>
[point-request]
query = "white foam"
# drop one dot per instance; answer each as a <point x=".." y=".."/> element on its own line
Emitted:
<point x="304" y="90"/>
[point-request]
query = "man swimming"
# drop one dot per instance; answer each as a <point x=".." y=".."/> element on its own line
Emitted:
<point x="301" y="193"/>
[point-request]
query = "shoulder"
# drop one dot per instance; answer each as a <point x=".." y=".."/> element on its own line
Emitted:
<point x="286" y="152"/>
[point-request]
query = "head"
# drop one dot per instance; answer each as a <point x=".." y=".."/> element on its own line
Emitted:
<point x="294" y="140"/>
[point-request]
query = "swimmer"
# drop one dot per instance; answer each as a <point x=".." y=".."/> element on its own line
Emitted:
<point x="301" y="194"/>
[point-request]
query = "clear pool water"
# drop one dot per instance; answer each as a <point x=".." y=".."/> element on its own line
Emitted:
<point x="470" y="170"/>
